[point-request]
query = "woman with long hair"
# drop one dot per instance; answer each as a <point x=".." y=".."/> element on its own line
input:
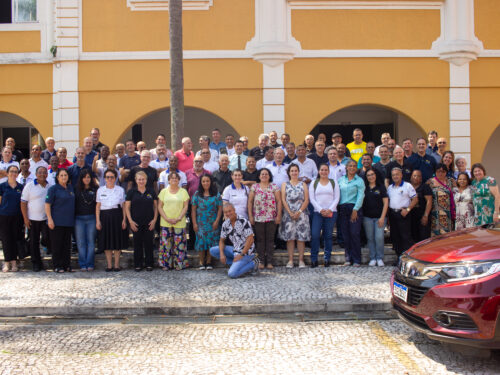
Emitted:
<point x="485" y="196"/>
<point x="295" y="225"/>
<point x="463" y="202"/>
<point x="10" y="218"/>
<point x="443" y="202"/>
<point x="448" y="159"/>
<point x="264" y="210"/>
<point x="206" y="214"/>
<point x="85" y="220"/>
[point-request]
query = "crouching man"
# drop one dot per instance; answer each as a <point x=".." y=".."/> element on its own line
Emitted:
<point x="240" y="256"/>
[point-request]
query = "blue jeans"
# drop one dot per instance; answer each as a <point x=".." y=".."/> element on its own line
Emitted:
<point x="375" y="237"/>
<point x="326" y="224"/>
<point x="236" y="269"/>
<point x="85" y="232"/>
<point x="351" y="232"/>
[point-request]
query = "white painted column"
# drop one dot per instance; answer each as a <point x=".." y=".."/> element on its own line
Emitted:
<point x="460" y="141"/>
<point x="274" y="98"/>
<point x="65" y="98"/>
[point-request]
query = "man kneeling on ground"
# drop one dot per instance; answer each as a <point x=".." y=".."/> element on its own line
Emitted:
<point x="240" y="256"/>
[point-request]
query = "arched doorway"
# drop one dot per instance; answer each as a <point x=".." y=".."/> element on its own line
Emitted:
<point x="196" y="122"/>
<point x="490" y="155"/>
<point x="373" y="120"/>
<point x="23" y="132"/>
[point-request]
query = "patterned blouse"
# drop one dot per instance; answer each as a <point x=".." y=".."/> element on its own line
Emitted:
<point x="264" y="203"/>
<point x="484" y="201"/>
<point x="238" y="234"/>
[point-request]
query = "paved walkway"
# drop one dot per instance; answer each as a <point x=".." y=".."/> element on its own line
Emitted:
<point x="362" y="347"/>
<point x="195" y="292"/>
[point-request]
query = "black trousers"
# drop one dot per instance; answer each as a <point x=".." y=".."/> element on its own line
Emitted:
<point x="37" y="228"/>
<point x="143" y="246"/>
<point x="60" y="241"/>
<point x="419" y="232"/>
<point x="192" y="235"/>
<point x="400" y="231"/>
<point x="10" y="233"/>
<point x="264" y="241"/>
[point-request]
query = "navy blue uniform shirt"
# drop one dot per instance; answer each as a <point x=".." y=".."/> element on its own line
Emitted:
<point x="11" y="199"/>
<point x="62" y="205"/>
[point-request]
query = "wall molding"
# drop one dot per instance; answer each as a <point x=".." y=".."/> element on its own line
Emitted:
<point x="332" y="4"/>
<point x="162" y="5"/>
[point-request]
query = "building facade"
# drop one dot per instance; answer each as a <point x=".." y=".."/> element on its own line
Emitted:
<point x="251" y="66"/>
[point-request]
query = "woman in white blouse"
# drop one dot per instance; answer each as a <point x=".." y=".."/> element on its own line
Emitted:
<point x="324" y="195"/>
<point x="111" y="220"/>
<point x="237" y="194"/>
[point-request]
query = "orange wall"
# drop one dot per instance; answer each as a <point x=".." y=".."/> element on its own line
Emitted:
<point x="416" y="87"/>
<point x="112" y="26"/>
<point x="366" y="29"/>
<point x="26" y="90"/>
<point x="19" y="41"/>
<point x="484" y="97"/>
<point x="487" y="14"/>
<point x="115" y="95"/>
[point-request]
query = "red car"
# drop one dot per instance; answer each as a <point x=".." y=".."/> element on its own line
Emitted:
<point x="448" y="287"/>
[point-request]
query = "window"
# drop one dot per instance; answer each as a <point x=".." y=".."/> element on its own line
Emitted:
<point x="18" y="11"/>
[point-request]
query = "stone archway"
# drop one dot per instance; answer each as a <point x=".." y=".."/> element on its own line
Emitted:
<point x="23" y="132"/>
<point x="490" y="155"/>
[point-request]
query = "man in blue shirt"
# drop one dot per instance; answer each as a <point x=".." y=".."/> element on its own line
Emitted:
<point x="79" y="165"/>
<point x="216" y="144"/>
<point x="432" y="147"/>
<point x="87" y="149"/>
<point x="422" y="161"/>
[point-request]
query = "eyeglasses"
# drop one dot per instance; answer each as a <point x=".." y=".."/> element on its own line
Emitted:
<point x="198" y="161"/>
<point x="441" y="143"/>
<point x="205" y="153"/>
<point x="109" y="177"/>
<point x="14" y="171"/>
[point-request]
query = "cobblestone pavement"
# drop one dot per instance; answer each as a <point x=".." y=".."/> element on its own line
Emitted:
<point x="196" y="288"/>
<point x="369" y="347"/>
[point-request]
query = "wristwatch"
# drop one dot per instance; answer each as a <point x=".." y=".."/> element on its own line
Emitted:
<point x="408" y="209"/>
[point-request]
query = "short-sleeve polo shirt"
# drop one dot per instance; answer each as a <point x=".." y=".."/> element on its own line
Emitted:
<point x="238" y="198"/>
<point x="400" y="196"/>
<point x="34" y="196"/>
<point x="62" y="205"/>
<point x="142" y="205"/>
<point x="11" y="198"/>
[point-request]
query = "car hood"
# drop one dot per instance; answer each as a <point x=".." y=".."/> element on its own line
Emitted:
<point x="475" y="244"/>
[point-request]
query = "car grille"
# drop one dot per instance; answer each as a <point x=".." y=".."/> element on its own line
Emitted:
<point x="415" y="293"/>
<point x="411" y="317"/>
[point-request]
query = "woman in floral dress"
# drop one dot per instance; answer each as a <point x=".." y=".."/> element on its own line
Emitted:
<point x="206" y="213"/>
<point x="264" y="212"/>
<point x="443" y="203"/>
<point x="295" y="223"/>
<point x="485" y="196"/>
<point x="463" y="202"/>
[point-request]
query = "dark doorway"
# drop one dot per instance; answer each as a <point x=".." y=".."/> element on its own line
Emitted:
<point x="21" y="136"/>
<point x="371" y="132"/>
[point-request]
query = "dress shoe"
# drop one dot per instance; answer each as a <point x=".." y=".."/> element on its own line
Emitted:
<point x="326" y="263"/>
<point x="314" y="264"/>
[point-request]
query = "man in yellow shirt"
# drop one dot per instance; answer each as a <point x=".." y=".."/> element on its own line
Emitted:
<point x="357" y="148"/>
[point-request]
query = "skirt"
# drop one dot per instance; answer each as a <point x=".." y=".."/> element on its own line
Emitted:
<point x="112" y="236"/>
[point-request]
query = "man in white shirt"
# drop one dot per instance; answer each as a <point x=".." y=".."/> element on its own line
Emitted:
<point x="402" y="198"/>
<point x="172" y="166"/>
<point x="99" y="170"/>
<point x="208" y="164"/>
<point x="36" y="160"/>
<point x="337" y="169"/>
<point x="161" y="161"/>
<point x="230" y="144"/>
<point x="385" y="140"/>
<point x="307" y="167"/>
<point x="33" y="210"/>
<point x="268" y="158"/>
<point x="278" y="168"/>
<point x="204" y="142"/>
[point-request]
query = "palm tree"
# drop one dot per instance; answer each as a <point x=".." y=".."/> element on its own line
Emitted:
<point x="176" y="74"/>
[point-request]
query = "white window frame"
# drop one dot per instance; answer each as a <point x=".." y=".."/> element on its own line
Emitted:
<point x="148" y="5"/>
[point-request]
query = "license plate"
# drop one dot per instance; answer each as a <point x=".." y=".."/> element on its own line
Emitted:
<point x="400" y="291"/>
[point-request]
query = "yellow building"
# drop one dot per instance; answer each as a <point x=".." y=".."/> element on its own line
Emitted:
<point x="252" y="66"/>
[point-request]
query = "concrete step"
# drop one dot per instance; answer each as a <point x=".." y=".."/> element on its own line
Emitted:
<point x="280" y="258"/>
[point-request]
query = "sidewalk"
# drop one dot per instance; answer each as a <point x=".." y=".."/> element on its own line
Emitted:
<point x="193" y="292"/>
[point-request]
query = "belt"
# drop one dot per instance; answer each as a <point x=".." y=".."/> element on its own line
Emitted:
<point x="396" y="210"/>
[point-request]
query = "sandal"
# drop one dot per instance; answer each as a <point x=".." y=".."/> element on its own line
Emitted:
<point x="59" y="270"/>
<point x="149" y="269"/>
<point x="261" y="266"/>
<point x="5" y="267"/>
<point x="269" y="267"/>
<point x="108" y="269"/>
<point x="138" y="269"/>
<point x="117" y="269"/>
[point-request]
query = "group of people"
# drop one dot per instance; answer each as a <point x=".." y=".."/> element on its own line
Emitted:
<point x="235" y="203"/>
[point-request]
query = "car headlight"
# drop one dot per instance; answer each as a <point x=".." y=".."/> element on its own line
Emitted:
<point x="465" y="271"/>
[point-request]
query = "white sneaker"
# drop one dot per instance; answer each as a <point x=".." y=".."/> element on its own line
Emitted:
<point x="289" y="265"/>
<point x="302" y="264"/>
<point x="380" y="263"/>
<point x="372" y="263"/>
<point x="202" y="267"/>
<point x="208" y="268"/>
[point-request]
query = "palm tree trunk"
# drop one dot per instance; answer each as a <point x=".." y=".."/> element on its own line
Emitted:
<point x="176" y="74"/>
